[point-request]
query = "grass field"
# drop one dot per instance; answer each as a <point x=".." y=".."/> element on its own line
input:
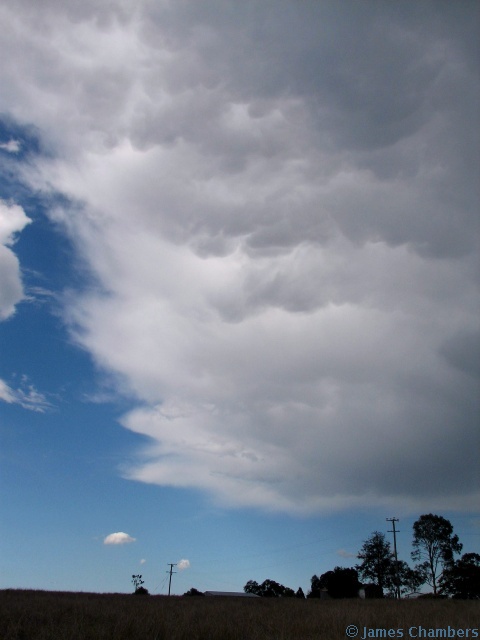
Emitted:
<point x="43" y="615"/>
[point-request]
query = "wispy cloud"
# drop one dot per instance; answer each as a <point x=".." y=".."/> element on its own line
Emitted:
<point x="118" y="538"/>
<point x="26" y="396"/>
<point x="6" y="393"/>
<point x="346" y="554"/>
<point x="183" y="564"/>
<point x="39" y="295"/>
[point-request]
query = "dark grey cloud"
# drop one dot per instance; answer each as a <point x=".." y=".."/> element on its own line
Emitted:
<point x="463" y="352"/>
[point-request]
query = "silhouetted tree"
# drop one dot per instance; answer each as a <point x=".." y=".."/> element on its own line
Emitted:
<point x="268" y="589"/>
<point x="315" y="587"/>
<point x="339" y="583"/>
<point x="379" y="567"/>
<point x="377" y="560"/>
<point x="461" y="579"/>
<point x="252" y="587"/>
<point x="372" y="591"/>
<point x="300" y="593"/>
<point x="435" y="544"/>
<point x="193" y="592"/>
<point x="271" y="589"/>
<point x="408" y="579"/>
<point x="137" y="583"/>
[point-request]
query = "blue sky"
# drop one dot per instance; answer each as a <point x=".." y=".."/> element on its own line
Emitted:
<point x="239" y="310"/>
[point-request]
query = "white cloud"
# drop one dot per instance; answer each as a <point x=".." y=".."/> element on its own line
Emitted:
<point x="183" y="564"/>
<point x="346" y="554"/>
<point x="26" y="395"/>
<point x="6" y="394"/>
<point x="284" y="234"/>
<point x="118" y="538"/>
<point x="12" y="146"/>
<point x="12" y="221"/>
<point x="142" y="561"/>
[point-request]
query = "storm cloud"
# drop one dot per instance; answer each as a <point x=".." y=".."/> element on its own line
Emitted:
<point x="278" y="202"/>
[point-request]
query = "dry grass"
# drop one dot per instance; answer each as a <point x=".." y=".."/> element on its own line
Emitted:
<point x="43" y="615"/>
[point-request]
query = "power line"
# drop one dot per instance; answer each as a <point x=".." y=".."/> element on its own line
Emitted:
<point x="159" y="588"/>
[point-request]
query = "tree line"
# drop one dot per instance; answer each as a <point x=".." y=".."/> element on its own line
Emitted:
<point x="434" y="549"/>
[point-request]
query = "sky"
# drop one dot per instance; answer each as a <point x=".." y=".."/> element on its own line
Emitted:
<point x="239" y="301"/>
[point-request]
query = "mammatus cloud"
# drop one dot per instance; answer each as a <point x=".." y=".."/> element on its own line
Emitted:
<point x="279" y="204"/>
<point x="118" y="538"/>
<point x="183" y="564"/>
<point x="12" y="221"/>
<point x="25" y="395"/>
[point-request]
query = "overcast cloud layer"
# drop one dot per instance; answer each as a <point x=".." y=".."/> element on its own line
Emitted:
<point x="278" y="202"/>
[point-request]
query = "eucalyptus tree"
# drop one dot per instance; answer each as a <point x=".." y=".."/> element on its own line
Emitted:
<point x="434" y="545"/>
<point x="378" y="562"/>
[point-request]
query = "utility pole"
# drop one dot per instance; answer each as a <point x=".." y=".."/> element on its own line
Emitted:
<point x="171" y="565"/>
<point x="394" y="531"/>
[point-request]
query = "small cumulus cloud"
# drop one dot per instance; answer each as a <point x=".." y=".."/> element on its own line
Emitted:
<point x="346" y="554"/>
<point x="12" y="146"/>
<point x="142" y="561"/>
<point x="118" y="538"/>
<point x="183" y="564"/>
